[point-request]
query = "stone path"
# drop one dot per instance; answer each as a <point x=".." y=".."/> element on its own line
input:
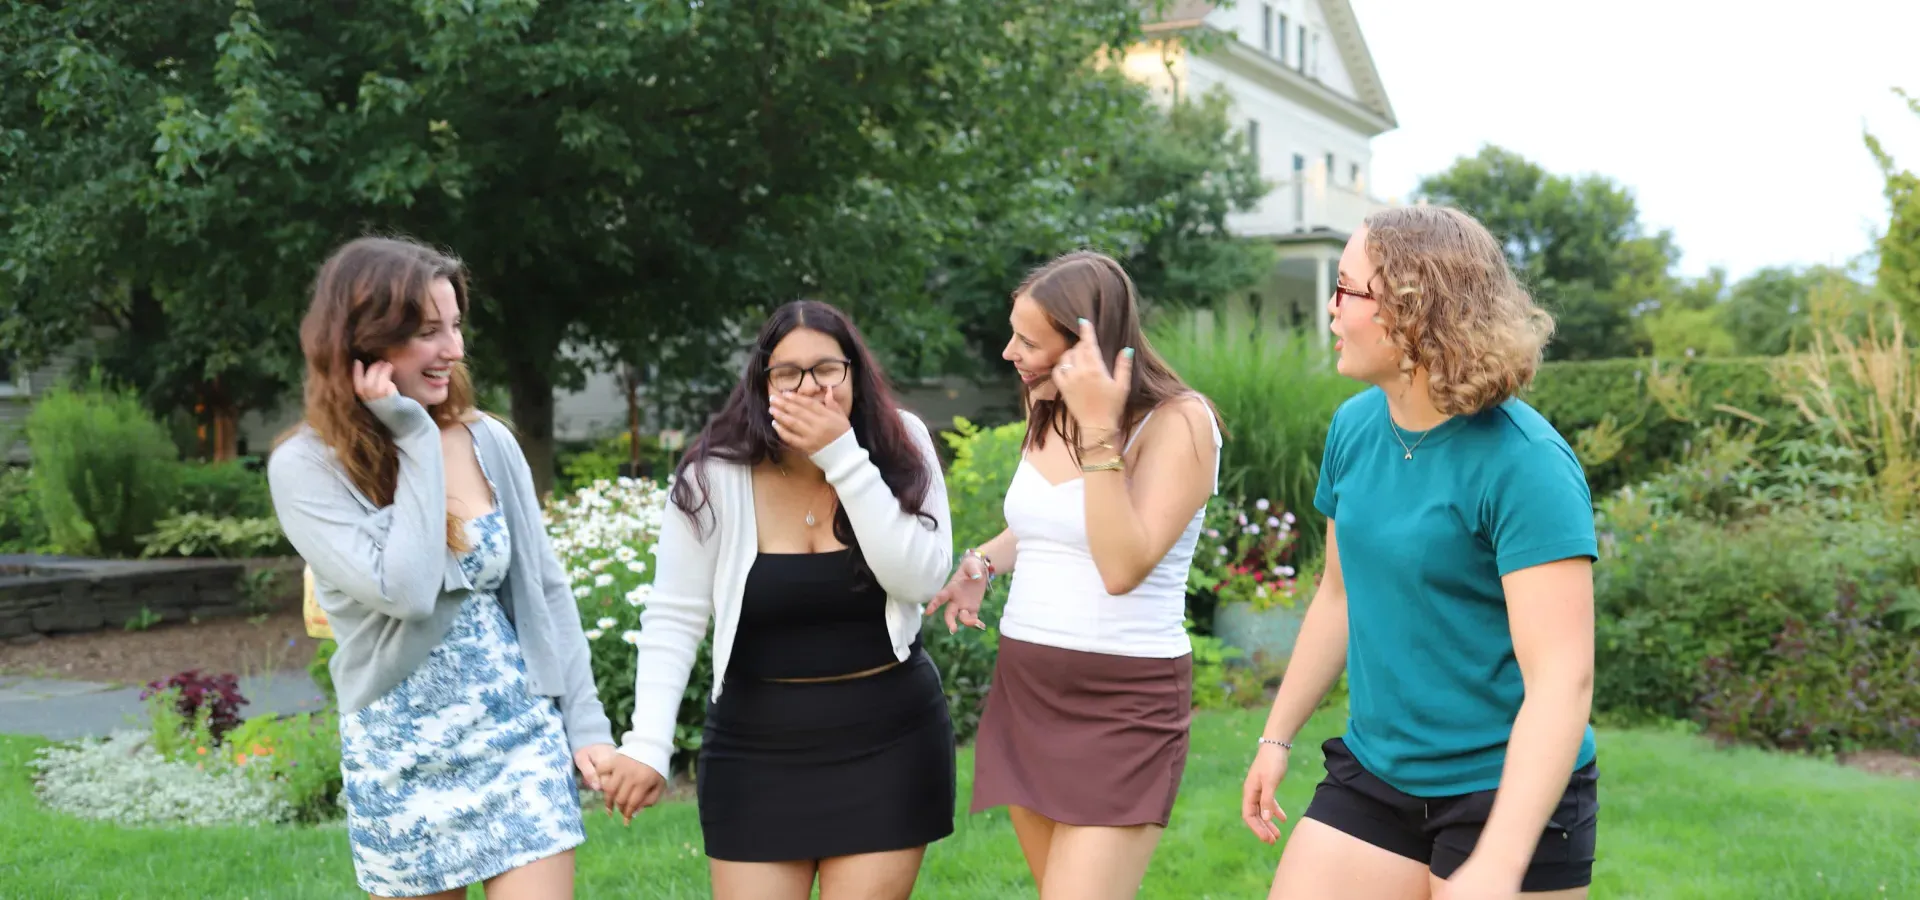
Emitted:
<point x="69" y="709"/>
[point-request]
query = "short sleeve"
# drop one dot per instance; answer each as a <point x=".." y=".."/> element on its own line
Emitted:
<point x="1541" y="511"/>
<point x="1325" y="498"/>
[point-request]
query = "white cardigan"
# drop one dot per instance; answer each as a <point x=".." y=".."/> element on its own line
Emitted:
<point x="700" y="579"/>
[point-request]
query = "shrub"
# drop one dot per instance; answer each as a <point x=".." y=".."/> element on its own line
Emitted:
<point x="321" y="673"/>
<point x="124" y="780"/>
<point x="218" y="695"/>
<point x="22" y="528"/>
<point x="984" y="461"/>
<point x="200" y="535"/>
<point x="604" y="460"/>
<point x="1644" y="413"/>
<point x="1846" y="680"/>
<point x="223" y="490"/>
<point x="1672" y="593"/>
<point x="604" y="534"/>
<point x="1864" y="392"/>
<point x="1212" y="688"/>
<point x="1276" y="395"/>
<point x="298" y="754"/>
<point x="104" y="468"/>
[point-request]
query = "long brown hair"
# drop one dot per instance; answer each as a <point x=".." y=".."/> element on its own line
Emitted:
<point x="1087" y="284"/>
<point x="373" y="295"/>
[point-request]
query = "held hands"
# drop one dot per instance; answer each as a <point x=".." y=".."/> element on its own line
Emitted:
<point x="962" y="595"/>
<point x="373" y="382"/>
<point x="628" y="785"/>
<point x="807" y="424"/>
<point x="1094" y="396"/>
<point x="1257" y="807"/>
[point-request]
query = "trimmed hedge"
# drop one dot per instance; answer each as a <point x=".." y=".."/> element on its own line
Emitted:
<point x="1575" y="396"/>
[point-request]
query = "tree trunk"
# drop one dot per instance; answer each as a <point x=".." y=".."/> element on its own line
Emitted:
<point x="531" y="393"/>
<point x="630" y="384"/>
<point x="219" y="423"/>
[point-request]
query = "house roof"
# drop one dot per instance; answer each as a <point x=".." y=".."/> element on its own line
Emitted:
<point x="1344" y="28"/>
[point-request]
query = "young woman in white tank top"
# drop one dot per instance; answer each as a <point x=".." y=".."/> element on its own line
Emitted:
<point x="1084" y="733"/>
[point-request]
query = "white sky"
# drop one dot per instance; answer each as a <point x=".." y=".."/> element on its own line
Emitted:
<point x="1736" y="126"/>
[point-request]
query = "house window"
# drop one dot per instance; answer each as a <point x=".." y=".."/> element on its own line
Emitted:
<point x="1316" y="54"/>
<point x="1266" y="28"/>
<point x="1353" y="174"/>
<point x="1280" y="39"/>
<point x="1301" y="56"/>
<point x="1299" y="190"/>
<point x="1330" y="168"/>
<point x="1253" y="143"/>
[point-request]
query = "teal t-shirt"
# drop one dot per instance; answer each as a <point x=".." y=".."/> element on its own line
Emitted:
<point x="1433" y="685"/>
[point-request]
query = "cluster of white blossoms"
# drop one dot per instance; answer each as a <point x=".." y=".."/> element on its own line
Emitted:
<point x="606" y="534"/>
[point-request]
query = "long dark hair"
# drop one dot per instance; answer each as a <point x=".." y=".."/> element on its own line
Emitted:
<point x="1087" y="284"/>
<point x="742" y="431"/>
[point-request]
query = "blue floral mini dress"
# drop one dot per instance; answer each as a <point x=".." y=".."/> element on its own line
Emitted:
<point x="460" y="773"/>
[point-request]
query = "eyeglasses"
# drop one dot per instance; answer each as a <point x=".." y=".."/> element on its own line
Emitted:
<point x="827" y="373"/>
<point x="1341" y="291"/>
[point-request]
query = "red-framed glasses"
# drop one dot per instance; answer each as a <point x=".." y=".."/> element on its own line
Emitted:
<point x="1341" y="291"/>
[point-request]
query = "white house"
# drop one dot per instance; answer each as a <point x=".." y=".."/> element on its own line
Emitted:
<point x="1305" y="92"/>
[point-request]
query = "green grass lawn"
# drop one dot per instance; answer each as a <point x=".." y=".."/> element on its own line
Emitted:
<point x="1679" y="819"/>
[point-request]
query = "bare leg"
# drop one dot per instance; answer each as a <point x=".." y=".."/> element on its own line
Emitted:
<point x="538" y="880"/>
<point x="1035" y="832"/>
<point x="762" y="881"/>
<point x="871" y="876"/>
<point x="1322" y="861"/>
<point x="1098" y="863"/>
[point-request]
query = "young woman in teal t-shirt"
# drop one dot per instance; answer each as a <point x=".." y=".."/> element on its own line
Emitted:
<point x="1458" y="595"/>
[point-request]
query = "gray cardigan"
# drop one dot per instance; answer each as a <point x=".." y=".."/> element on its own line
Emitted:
<point x="391" y="587"/>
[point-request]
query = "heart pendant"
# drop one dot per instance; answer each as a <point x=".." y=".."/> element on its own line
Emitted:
<point x="811" y="521"/>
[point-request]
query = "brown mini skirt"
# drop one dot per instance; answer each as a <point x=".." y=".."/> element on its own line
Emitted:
<point x="1083" y="738"/>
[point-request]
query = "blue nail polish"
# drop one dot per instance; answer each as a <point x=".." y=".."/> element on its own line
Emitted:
<point x="1128" y="352"/>
<point x="1083" y="320"/>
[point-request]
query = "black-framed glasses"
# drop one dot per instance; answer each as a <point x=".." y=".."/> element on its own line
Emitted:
<point x="827" y="373"/>
<point x="1341" y="291"/>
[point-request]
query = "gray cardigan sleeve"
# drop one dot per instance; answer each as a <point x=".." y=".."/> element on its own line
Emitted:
<point x="580" y="707"/>
<point x="392" y="560"/>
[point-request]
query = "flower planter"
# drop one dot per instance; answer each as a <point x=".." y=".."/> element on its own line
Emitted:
<point x="1266" y="633"/>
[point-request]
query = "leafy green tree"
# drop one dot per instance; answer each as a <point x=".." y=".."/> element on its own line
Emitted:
<point x="626" y="178"/>
<point x="1576" y="242"/>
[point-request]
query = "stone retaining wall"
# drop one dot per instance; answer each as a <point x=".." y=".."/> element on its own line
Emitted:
<point x="42" y="595"/>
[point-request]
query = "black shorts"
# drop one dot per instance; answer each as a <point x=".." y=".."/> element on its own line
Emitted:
<point x="1441" y="831"/>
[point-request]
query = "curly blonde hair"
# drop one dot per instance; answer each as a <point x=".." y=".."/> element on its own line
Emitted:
<point x="1452" y="305"/>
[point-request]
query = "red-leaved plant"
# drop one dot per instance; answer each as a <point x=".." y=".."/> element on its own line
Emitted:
<point x="220" y="694"/>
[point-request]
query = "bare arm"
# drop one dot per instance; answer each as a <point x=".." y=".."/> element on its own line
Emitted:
<point x="1550" y="611"/>
<point x="1133" y="523"/>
